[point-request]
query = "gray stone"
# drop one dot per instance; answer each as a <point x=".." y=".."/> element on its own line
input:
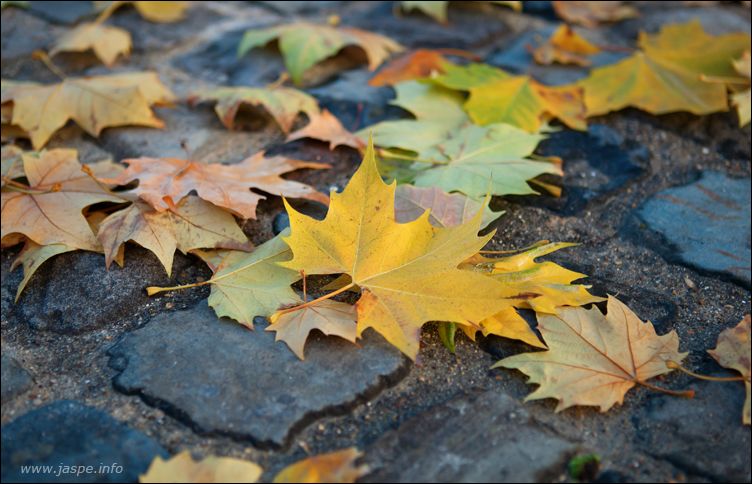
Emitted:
<point x="62" y="12"/>
<point x="67" y="433"/>
<point x="703" y="436"/>
<point x="716" y="20"/>
<point x="487" y="437"/>
<point x="707" y="221"/>
<point x="22" y="34"/>
<point x="224" y="379"/>
<point x="74" y="292"/>
<point x="15" y="379"/>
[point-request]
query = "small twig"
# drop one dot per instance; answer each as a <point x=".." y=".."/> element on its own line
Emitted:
<point x="676" y="366"/>
<point x="41" y="55"/>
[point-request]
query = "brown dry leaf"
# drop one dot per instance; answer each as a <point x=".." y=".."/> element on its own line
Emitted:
<point x="326" y="127"/>
<point x="212" y="469"/>
<point x="590" y="14"/>
<point x="49" y="210"/>
<point x="32" y="256"/>
<point x="304" y="44"/>
<point x="416" y="64"/>
<point x="191" y="224"/>
<point x="565" y="47"/>
<point x="12" y="164"/>
<point x="329" y="317"/>
<point x="733" y="351"/>
<point x="163" y="182"/>
<point x="594" y="359"/>
<point x="282" y="103"/>
<point x="335" y="467"/>
<point x="105" y="41"/>
<point x="94" y="103"/>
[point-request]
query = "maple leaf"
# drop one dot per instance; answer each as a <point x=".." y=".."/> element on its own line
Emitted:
<point x="413" y="65"/>
<point x="565" y="46"/>
<point x="105" y="41"/>
<point x="94" y="103"/>
<point x="245" y="285"/>
<point x="590" y="14"/>
<point x="191" y="224"/>
<point x="283" y="103"/>
<point x="49" y="210"/>
<point x="665" y="75"/>
<point x="212" y="469"/>
<point x="594" y="359"/>
<point x="733" y="351"/>
<point x="304" y="44"/>
<point x="326" y="127"/>
<point x="407" y="273"/>
<point x="12" y="164"/>
<point x="474" y="160"/>
<point x="438" y="9"/>
<point x="445" y="209"/>
<point x="153" y="11"/>
<point x="329" y="317"/>
<point x="164" y="181"/>
<point x="498" y="97"/>
<point x="334" y="467"/>
<point x="546" y="285"/>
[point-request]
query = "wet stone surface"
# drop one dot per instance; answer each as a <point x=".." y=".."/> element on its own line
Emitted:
<point x="228" y="387"/>
<point x="706" y="223"/>
<point x="658" y="204"/>
<point x="67" y="433"/>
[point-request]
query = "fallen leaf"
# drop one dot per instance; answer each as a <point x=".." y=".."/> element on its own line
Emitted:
<point x="407" y="273"/>
<point x="282" y="103"/>
<point x="742" y="98"/>
<point x="334" y="467"/>
<point x="446" y="209"/>
<point x="565" y="47"/>
<point x="438" y="9"/>
<point x="304" y="44"/>
<point x="191" y="224"/>
<point x="105" y="41"/>
<point x="594" y="359"/>
<point x="49" y="210"/>
<point x="498" y="97"/>
<point x="212" y="469"/>
<point x="329" y="317"/>
<point x="326" y="127"/>
<point x="590" y="14"/>
<point x="429" y="102"/>
<point x="12" y="164"/>
<point x="664" y="76"/>
<point x="153" y="11"/>
<point x="163" y="182"/>
<point x="417" y="64"/>
<point x="247" y="285"/>
<point x="32" y="256"/>
<point x="733" y="351"/>
<point x="94" y="103"/>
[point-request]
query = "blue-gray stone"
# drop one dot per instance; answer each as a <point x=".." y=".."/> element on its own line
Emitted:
<point x="15" y="379"/>
<point x="221" y="378"/>
<point x="707" y="221"/>
<point x="64" y="434"/>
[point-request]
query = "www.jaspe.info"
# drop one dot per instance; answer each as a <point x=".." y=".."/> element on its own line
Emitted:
<point x="71" y="470"/>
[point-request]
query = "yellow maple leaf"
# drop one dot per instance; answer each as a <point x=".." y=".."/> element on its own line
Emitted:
<point x="105" y="41"/>
<point x="407" y="272"/>
<point x="182" y="468"/>
<point x="565" y="47"/>
<point x="94" y="103"/>
<point x="594" y="359"/>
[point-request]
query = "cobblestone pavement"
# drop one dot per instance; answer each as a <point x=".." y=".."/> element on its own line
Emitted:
<point x="659" y="204"/>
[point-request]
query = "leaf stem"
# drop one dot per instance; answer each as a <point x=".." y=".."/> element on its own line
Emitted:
<point x="724" y="79"/>
<point x="676" y="366"/>
<point x="42" y="56"/>
<point x="317" y="300"/>
<point x="152" y="290"/>
<point x="107" y="12"/>
<point x="15" y="186"/>
<point x="676" y="393"/>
